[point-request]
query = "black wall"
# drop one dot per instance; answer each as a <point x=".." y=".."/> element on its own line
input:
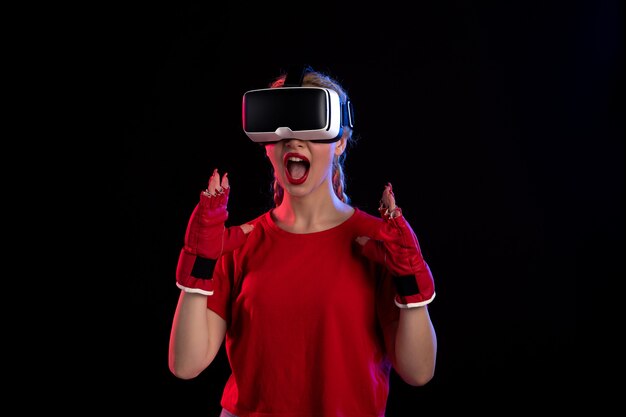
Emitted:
<point x="500" y="125"/>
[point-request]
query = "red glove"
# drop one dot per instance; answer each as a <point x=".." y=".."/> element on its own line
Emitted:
<point x="207" y="238"/>
<point x="395" y="245"/>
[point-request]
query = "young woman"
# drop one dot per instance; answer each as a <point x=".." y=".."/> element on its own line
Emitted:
<point x="315" y="299"/>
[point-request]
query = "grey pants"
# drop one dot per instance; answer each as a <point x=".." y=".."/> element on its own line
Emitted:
<point x="225" y="413"/>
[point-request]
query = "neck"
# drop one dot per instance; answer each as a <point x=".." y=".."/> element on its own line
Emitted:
<point x="311" y="213"/>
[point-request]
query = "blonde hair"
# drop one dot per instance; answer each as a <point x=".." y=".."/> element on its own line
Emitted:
<point x="314" y="78"/>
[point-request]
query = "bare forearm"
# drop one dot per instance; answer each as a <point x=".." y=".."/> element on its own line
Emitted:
<point x="191" y="346"/>
<point x="415" y="346"/>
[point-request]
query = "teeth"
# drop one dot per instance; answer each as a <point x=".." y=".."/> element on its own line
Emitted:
<point x="294" y="159"/>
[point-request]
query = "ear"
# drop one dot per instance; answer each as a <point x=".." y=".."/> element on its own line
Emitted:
<point x="341" y="146"/>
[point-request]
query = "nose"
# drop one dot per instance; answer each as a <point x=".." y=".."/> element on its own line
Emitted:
<point x="294" y="143"/>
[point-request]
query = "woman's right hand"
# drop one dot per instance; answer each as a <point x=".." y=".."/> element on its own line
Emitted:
<point x="207" y="238"/>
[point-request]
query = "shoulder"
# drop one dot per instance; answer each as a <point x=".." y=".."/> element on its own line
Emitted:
<point x="364" y="217"/>
<point x="364" y="223"/>
<point x="259" y="219"/>
<point x="260" y="223"/>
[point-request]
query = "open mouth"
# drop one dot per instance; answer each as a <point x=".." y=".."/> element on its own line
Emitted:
<point x="296" y="168"/>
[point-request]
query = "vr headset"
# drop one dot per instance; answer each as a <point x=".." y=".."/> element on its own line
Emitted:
<point x="295" y="112"/>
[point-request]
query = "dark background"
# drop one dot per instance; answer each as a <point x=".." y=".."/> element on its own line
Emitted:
<point x="500" y="125"/>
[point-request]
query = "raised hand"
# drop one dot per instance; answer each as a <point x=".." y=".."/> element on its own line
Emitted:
<point x="207" y="237"/>
<point x="395" y="245"/>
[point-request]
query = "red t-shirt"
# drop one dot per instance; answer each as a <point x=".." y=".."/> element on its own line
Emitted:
<point x="305" y="316"/>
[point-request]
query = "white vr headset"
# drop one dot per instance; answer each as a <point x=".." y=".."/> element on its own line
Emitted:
<point x="307" y="113"/>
